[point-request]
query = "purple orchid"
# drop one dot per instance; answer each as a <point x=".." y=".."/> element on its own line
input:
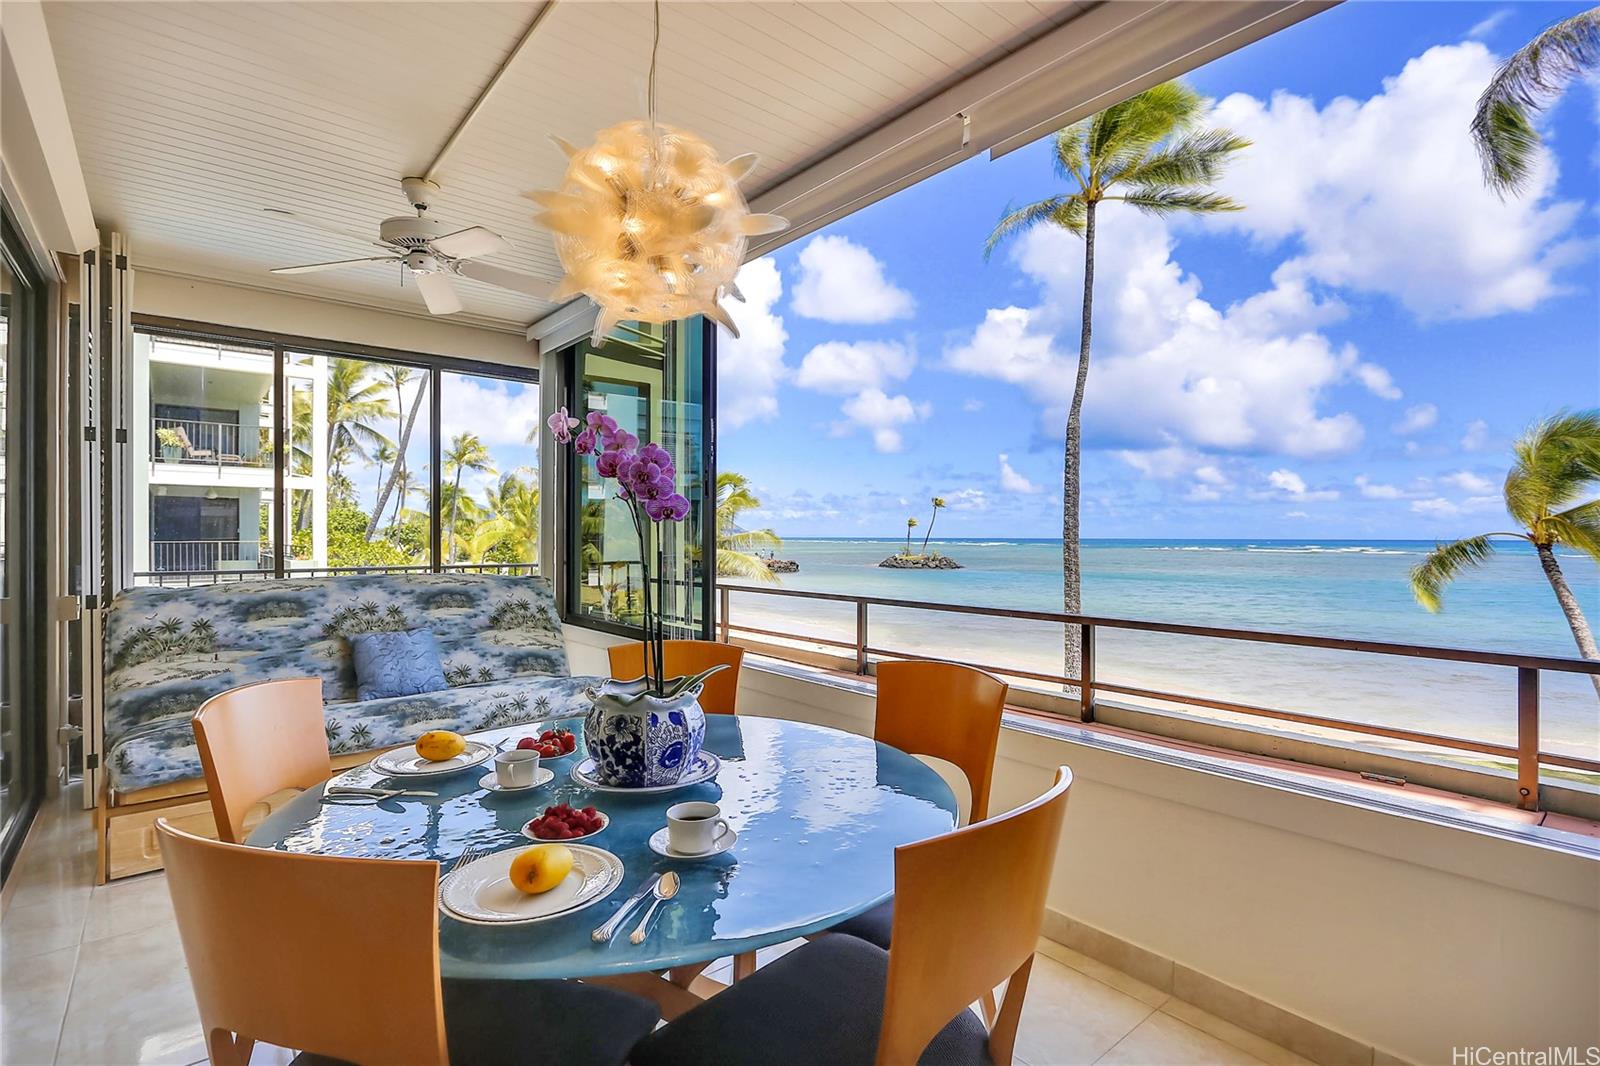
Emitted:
<point x="646" y="482"/>
<point x="561" y="426"/>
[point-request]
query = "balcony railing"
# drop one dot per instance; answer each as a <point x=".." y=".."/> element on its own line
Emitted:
<point x="168" y="556"/>
<point x="265" y="572"/>
<point x="1526" y="753"/>
<point x="192" y="440"/>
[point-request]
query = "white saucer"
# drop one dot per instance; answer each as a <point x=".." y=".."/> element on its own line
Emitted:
<point x="405" y="762"/>
<point x="659" y="845"/>
<point x="542" y="776"/>
<point x="481" y="892"/>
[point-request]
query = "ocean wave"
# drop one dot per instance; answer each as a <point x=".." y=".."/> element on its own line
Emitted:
<point x="1317" y="549"/>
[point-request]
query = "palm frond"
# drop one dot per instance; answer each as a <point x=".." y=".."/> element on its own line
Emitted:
<point x="1070" y="155"/>
<point x="749" y="540"/>
<point x="743" y="564"/>
<point x="1429" y="577"/>
<point x="1024" y="218"/>
<point x="1195" y="160"/>
<point x="1127" y="130"/>
<point x="1557" y="461"/>
<point x="1528" y="81"/>
<point x="1163" y="201"/>
<point x="1577" y="527"/>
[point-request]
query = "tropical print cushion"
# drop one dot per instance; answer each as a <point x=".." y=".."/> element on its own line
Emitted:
<point x="396" y="664"/>
<point x="169" y="650"/>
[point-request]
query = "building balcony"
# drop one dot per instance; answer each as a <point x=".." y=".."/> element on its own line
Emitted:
<point x="188" y="556"/>
<point x="188" y="440"/>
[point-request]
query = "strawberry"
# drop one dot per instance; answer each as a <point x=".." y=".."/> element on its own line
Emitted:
<point x="569" y="743"/>
<point x="526" y="743"/>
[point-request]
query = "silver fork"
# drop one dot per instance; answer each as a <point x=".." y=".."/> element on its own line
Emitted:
<point x="471" y="855"/>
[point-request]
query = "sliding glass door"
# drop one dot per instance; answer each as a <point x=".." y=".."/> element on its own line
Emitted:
<point x="22" y="358"/>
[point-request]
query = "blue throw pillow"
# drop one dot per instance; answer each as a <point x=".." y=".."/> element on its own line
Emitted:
<point x="396" y="664"/>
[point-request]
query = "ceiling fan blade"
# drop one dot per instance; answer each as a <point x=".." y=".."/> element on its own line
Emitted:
<point x="515" y="280"/>
<point x="325" y="227"/>
<point x="313" y="267"/>
<point x="470" y="243"/>
<point x="438" y="294"/>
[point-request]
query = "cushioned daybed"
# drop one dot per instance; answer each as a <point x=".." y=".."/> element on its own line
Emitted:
<point x="169" y="650"/>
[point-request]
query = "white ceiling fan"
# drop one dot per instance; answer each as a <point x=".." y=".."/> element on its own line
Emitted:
<point x="430" y="250"/>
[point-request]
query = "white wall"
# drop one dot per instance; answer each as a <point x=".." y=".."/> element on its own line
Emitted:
<point x="217" y="303"/>
<point x="1406" y="935"/>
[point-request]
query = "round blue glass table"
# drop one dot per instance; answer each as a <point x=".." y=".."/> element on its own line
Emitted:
<point x="818" y="811"/>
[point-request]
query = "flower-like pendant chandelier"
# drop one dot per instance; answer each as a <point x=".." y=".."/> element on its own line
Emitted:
<point x="650" y="223"/>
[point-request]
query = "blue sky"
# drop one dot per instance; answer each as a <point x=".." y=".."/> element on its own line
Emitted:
<point x="1349" y="357"/>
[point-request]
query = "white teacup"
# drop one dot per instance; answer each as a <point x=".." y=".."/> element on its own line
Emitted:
<point x="694" y="828"/>
<point x="516" y="768"/>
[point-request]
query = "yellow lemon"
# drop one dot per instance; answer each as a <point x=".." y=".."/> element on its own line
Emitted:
<point x="440" y="744"/>
<point x="539" y="869"/>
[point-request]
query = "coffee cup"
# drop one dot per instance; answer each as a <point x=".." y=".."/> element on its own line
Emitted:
<point x="696" y="827"/>
<point x="516" y="768"/>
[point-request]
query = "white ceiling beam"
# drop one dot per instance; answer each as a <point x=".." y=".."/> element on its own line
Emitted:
<point x="39" y="156"/>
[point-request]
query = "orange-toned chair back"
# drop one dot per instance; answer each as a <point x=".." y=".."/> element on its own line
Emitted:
<point x="339" y="957"/>
<point x="968" y="907"/>
<point x="944" y="710"/>
<point x="259" y="739"/>
<point x="685" y="657"/>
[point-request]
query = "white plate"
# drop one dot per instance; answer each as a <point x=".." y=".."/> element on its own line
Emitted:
<point x="659" y="844"/>
<point x="705" y="768"/>
<point x="542" y="776"/>
<point x="481" y="891"/>
<point x="605" y="820"/>
<point x="405" y="762"/>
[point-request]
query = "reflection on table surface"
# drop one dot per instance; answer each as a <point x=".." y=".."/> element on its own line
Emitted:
<point x="818" y="811"/>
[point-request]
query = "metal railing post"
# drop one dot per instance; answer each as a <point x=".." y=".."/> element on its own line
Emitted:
<point x="861" y="636"/>
<point x="1086" y="687"/>
<point x="1527" y="738"/>
<point x="722" y="612"/>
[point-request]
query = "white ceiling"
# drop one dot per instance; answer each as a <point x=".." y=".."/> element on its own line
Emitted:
<point x="190" y="118"/>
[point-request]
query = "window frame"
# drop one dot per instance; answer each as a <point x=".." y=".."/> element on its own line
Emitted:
<point x="433" y="365"/>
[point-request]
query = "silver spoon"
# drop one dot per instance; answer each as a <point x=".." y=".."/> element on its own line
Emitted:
<point x="666" y="888"/>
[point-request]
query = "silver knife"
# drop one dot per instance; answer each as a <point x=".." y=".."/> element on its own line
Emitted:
<point x="605" y="932"/>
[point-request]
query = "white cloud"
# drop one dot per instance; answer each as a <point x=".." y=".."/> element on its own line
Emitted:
<point x="1011" y="481"/>
<point x="841" y="367"/>
<point x="1476" y="438"/>
<point x="1293" y="486"/>
<point x="967" y="500"/>
<point x="1386" y="195"/>
<point x="750" y="366"/>
<point x="1295" y="514"/>
<point x="1375" y="491"/>
<point x="972" y="405"/>
<point x="1470" y="483"/>
<point x="840" y="281"/>
<point x="1170" y="366"/>
<point x="1488" y="24"/>
<point x="1378" y="381"/>
<point x="1416" y="419"/>
<point x="881" y="415"/>
<point x="499" y="412"/>
<point x="1439" y="507"/>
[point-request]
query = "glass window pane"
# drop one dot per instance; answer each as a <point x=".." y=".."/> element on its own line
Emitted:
<point x="489" y="492"/>
<point x="357" y="469"/>
<point x="651" y="380"/>
<point x="202" y="480"/>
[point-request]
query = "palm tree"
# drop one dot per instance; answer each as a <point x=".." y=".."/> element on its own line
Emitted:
<point x="514" y="505"/>
<point x="1557" y="464"/>
<point x="911" y="523"/>
<point x="1528" y="81"/>
<point x="382" y="455"/>
<point x="736" y="547"/>
<point x="466" y="453"/>
<point x="938" y="502"/>
<point x="397" y="377"/>
<point x="355" y="405"/>
<point x="1150" y="146"/>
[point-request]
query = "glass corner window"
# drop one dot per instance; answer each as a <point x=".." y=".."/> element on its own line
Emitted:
<point x="654" y="380"/>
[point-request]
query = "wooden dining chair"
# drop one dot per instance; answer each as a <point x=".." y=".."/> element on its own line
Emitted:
<point x="846" y="1002"/>
<point x="259" y="739"/>
<point x="951" y="713"/>
<point x="685" y="657"/>
<point x="339" y="958"/>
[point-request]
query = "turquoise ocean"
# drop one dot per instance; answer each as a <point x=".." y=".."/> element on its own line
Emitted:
<point x="1329" y="588"/>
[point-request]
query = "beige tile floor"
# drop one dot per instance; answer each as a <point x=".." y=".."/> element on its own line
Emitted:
<point x="95" y="975"/>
